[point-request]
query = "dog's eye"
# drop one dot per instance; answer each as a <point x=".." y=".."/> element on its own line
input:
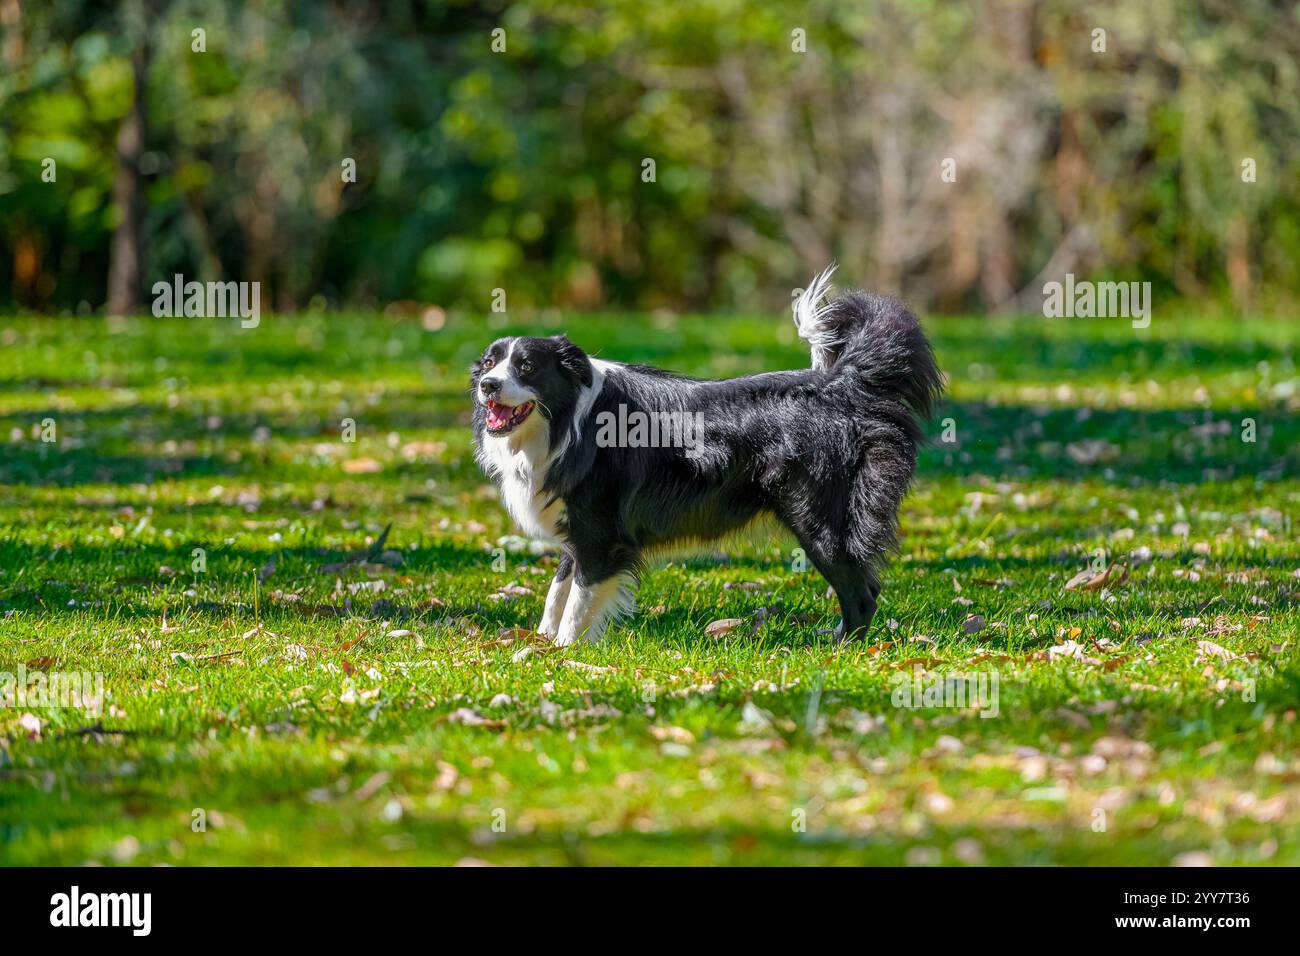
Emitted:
<point x="525" y="366"/>
<point x="488" y="363"/>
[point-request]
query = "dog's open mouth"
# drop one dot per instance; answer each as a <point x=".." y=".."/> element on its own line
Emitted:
<point x="506" y="418"/>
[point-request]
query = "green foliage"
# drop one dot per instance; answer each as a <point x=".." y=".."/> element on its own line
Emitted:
<point x="522" y="169"/>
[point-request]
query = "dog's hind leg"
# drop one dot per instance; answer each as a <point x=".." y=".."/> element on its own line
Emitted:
<point x="857" y="589"/>
<point x="858" y="593"/>
<point x="557" y="597"/>
<point x="855" y="582"/>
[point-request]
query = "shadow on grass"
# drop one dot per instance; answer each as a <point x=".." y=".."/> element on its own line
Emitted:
<point x="1130" y="447"/>
<point x="1127" y="447"/>
<point x="311" y="835"/>
<point x="63" y="579"/>
<point x="105" y="445"/>
<point x="1036" y="353"/>
<point x="792" y="609"/>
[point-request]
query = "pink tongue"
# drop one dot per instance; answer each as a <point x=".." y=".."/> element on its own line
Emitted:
<point x="499" y="415"/>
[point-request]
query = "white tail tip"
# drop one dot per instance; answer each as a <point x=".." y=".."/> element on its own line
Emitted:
<point x="809" y="309"/>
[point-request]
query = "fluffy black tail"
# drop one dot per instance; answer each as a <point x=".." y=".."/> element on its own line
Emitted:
<point x="875" y="339"/>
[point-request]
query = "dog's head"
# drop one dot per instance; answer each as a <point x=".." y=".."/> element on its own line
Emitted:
<point x="522" y="383"/>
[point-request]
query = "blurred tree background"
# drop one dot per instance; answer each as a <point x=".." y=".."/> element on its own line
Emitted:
<point x="523" y="169"/>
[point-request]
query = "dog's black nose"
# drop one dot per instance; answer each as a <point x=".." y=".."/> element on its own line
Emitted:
<point x="489" y="387"/>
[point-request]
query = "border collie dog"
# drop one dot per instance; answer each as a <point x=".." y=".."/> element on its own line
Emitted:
<point x="827" y="451"/>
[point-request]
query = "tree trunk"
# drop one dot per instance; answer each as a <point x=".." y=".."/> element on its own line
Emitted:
<point x="11" y="17"/>
<point x="124" y="264"/>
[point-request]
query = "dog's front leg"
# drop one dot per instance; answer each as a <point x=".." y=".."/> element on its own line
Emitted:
<point x="557" y="597"/>
<point x="589" y="608"/>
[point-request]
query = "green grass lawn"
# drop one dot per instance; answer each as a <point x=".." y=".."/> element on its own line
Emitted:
<point x="323" y="697"/>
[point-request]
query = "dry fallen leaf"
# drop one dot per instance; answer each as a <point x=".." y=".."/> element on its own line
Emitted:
<point x="997" y="658"/>
<point x="372" y="785"/>
<point x="32" y="724"/>
<point x="677" y="735"/>
<point x="1070" y="650"/>
<point x="472" y="718"/>
<point x="1210" y="649"/>
<point x="923" y="662"/>
<point x="510" y="592"/>
<point x="540" y="647"/>
<point x="723" y="627"/>
<point x="1090" y="579"/>
<point x="590" y="668"/>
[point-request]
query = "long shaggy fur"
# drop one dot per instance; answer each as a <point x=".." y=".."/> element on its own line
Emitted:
<point x="828" y="451"/>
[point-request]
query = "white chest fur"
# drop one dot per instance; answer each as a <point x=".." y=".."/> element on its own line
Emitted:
<point x="519" y="464"/>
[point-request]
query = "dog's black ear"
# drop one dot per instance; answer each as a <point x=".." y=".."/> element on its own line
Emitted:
<point x="573" y="360"/>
